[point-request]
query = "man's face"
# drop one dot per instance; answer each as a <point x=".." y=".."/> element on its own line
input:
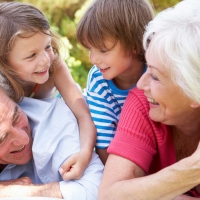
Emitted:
<point x="15" y="134"/>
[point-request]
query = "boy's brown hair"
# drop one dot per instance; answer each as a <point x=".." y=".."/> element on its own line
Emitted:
<point x="119" y="20"/>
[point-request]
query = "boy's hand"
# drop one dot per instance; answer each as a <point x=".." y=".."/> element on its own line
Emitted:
<point x="74" y="167"/>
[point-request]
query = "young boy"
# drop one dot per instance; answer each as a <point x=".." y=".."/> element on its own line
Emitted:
<point x="112" y="30"/>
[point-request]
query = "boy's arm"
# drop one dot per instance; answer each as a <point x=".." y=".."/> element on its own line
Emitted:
<point x="103" y="154"/>
<point x="105" y="119"/>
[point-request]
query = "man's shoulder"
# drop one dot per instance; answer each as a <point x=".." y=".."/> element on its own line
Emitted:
<point x="42" y="107"/>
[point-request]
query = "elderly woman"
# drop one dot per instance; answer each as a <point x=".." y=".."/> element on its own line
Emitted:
<point x="155" y="154"/>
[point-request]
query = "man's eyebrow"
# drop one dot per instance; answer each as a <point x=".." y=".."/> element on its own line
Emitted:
<point x="16" y="110"/>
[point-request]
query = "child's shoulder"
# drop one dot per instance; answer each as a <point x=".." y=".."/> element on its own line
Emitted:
<point x="94" y="72"/>
<point x="95" y="76"/>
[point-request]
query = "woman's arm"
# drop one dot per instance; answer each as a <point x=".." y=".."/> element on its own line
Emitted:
<point x="123" y="179"/>
<point x="75" y="100"/>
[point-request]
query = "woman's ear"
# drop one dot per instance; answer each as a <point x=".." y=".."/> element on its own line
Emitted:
<point x="195" y="105"/>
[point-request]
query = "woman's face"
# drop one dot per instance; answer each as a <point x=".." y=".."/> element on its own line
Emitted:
<point x="167" y="102"/>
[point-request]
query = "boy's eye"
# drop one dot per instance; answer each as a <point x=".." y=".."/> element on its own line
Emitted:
<point x="103" y="50"/>
<point x="31" y="56"/>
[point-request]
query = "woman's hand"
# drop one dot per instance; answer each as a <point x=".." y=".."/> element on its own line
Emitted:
<point x="184" y="197"/>
<point x="198" y="189"/>
<point x="74" y="167"/>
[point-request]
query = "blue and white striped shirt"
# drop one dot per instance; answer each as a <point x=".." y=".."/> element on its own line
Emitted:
<point x="105" y="101"/>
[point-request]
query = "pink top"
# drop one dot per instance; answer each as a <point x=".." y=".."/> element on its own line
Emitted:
<point x="147" y="143"/>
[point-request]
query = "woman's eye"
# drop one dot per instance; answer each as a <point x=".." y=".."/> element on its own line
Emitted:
<point x="154" y="77"/>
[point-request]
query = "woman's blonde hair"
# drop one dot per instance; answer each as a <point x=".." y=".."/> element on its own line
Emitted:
<point x="174" y="37"/>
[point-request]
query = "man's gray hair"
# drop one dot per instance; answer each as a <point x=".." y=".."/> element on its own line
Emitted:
<point x="174" y="38"/>
<point x="6" y="87"/>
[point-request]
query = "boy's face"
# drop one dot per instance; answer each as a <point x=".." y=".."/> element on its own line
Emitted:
<point x="114" y="63"/>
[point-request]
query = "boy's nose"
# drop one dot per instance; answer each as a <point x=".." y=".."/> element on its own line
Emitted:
<point x="94" y="58"/>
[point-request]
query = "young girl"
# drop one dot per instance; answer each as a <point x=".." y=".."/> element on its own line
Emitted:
<point x="29" y="59"/>
<point x="112" y="30"/>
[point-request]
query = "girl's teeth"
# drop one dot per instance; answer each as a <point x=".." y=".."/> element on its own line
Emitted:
<point x="40" y="72"/>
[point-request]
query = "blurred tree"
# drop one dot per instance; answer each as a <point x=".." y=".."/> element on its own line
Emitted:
<point x="63" y="16"/>
<point x="161" y="5"/>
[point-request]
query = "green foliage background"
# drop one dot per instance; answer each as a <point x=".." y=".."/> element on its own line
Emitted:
<point x="63" y="16"/>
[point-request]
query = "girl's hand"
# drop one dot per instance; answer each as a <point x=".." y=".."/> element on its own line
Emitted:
<point x="74" y="167"/>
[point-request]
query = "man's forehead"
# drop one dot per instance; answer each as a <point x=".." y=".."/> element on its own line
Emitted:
<point x="7" y="107"/>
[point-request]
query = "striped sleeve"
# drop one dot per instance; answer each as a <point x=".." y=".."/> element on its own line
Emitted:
<point x="103" y="108"/>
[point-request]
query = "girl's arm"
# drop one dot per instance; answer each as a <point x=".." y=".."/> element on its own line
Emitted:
<point x="123" y="179"/>
<point x="65" y="84"/>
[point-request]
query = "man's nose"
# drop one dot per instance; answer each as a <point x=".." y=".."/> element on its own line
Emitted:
<point x="19" y="137"/>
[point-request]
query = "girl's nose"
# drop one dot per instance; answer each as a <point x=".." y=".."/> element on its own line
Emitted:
<point x="44" y="58"/>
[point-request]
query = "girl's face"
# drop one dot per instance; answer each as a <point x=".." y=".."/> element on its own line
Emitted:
<point x="31" y="57"/>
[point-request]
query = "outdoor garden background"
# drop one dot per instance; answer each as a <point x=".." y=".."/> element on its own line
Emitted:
<point x="63" y="16"/>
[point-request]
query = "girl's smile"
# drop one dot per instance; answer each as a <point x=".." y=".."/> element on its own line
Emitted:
<point x="31" y="57"/>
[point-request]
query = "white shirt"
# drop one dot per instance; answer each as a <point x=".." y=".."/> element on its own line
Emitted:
<point x="56" y="138"/>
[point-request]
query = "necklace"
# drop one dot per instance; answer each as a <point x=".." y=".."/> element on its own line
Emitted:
<point x="34" y="90"/>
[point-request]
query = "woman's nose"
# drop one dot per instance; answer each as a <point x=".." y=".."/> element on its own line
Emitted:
<point x="143" y="82"/>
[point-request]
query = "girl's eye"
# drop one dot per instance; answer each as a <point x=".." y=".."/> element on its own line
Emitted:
<point x="154" y="77"/>
<point x="48" y="47"/>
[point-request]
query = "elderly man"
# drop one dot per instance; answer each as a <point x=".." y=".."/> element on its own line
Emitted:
<point x="55" y="135"/>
